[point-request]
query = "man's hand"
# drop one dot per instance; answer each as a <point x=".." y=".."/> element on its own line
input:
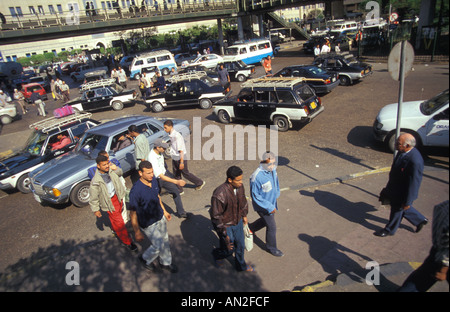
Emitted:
<point x="230" y="245"/>
<point x="139" y="236"/>
<point x="405" y="207"/>
<point x="441" y="275"/>
<point x="180" y="183"/>
<point x="98" y="214"/>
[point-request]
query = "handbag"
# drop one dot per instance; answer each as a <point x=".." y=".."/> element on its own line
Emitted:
<point x="248" y="238"/>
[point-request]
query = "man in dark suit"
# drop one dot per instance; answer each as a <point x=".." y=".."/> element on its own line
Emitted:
<point x="403" y="186"/>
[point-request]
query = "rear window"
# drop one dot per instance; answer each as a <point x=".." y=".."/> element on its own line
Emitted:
<point x="305" y="93"/>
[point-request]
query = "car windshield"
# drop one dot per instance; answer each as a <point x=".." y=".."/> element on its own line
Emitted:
<point x="430" y="106"/>
<point x="116" y="87"/>
<point x="241" y="63"/>
<point x="91" y="144"/>
<point x="349" y="59"/>
<point x="35" y="143"/>
<point x="315" y="70"/>
<point x="208" y="81"/>
<point x="232" y="51"/>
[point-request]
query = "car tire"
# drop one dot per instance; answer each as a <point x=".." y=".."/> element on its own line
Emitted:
<point x="165" y="71"/>
<point x="117" y="105"/>
<point x="241" y="78"/>
<point x="157" y="107"/>
<point x="205" y="104"/>
<point x="5" y="119"/>
<point x="79" y="196"/>
<point x="224" y="117"/>
<point x="23" y="184"/>
<point x="344" y="80"/>
<point x="281" y="123"/>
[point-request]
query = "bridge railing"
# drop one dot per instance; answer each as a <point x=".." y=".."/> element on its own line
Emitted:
<point x="77" y="16"/>
<point x="250" y="5"/>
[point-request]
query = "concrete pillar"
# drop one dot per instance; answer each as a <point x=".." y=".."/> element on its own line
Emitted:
<point x="261" y="25"/>
<point x="426" y="16"/>
<point x="240" y="28"/>
<point x="220" y="32"/>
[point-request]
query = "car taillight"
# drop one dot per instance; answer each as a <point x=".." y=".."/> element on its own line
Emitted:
<point x="319" y="100"/>
<point x="305" y="108"/>
<point x="327" y="81"/>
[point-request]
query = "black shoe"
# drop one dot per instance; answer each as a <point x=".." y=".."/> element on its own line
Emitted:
<point x="421" y="224"/>
<point x="381" y="233"/>
<point x="133" y="247"/>
<point x="172" y="268"/>
<point x="149" y="267"/>
<point x="277" y="253"/>
<point x="184" y="215"/>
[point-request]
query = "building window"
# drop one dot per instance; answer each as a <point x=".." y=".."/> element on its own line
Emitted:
<point x="59" y="7"/>
<point x="32" y="10"/>
<point x="41" y="10"/>
<point x="51" y="9"/>
<point x="13" y="12"/>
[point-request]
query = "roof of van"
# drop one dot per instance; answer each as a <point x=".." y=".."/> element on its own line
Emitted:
<point x="152" y="53"/>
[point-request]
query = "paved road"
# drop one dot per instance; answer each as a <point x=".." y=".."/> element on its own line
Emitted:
<point x="338" y="143"/>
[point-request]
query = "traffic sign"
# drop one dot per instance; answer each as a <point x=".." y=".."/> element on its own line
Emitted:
<point x="395" y="56"/>
<point x="393" y="17"/>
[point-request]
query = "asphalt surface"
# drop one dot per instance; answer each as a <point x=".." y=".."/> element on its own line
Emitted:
<point x="325" y="228"/>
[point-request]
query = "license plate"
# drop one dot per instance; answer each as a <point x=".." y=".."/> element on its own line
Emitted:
<point x="313" y="105"/>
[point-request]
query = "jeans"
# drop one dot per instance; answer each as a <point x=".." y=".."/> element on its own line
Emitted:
<point x="267" y="220"/>
<point x="159" y="238"/>
<point x="236" y="235"/>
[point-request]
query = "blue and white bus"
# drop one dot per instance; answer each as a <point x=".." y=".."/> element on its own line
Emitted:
<point x="162" y="59"/>
<point x="250" y="52"/>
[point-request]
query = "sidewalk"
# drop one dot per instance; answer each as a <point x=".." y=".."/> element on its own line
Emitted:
<point x="325" y="230"/>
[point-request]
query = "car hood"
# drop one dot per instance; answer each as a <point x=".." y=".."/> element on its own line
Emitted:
<point x="409" y="110"/>
<point x="71" y="167"/>
<point x="17" y="162"/>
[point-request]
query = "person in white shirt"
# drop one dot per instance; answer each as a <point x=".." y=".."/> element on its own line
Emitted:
<point x="325" y="49"/>
<point x="317" y="51"/>
<point x="122" y="77"/>
<point x="178" y="152"/>
<point x="165" y="178"/>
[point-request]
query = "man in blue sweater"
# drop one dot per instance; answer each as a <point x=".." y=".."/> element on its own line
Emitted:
<point x="265" y="189"/>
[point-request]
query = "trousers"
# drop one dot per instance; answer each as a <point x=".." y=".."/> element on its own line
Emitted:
<point x="117" y="223"/>
<point x="397" y="214"/>
<point x="268" y="221"/>
<point x="236" y="235"/>
<point x="177" y="172"/>
<point x="160" y="247"/>
<point x="174" y="191"/>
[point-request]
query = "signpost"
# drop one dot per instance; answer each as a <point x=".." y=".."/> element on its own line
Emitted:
<point x="400" y="63"/>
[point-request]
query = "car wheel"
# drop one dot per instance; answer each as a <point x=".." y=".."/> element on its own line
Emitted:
<point x="6" y="119"/>
<point x="224" y="117"/>
<point x="241" y="78"/>
<point x="80" y="194"/>
<point x="165" y="71"/>
<point x="117" y="105"/>
<point x="344" y="80"/>
<point x="23" y="184"/>
<point x="281" y="123"/>
<point x="205" y="103"/>
<point x="157" y="107"/>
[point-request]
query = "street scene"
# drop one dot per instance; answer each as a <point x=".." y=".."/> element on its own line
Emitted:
<point x="333" y="140"/>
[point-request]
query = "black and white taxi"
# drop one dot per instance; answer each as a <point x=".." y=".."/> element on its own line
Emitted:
<point x="102" y="94"/>
<point x="281" y="101"/>
<point x="188" y="89"/>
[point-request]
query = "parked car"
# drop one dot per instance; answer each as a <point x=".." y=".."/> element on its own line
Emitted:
<point x="78" y="74"/>
<point x="95" y="75"/>
<point x="348" y="68"/>
<point x="318" y="79"/>
<point x="188" y="89"/>
<point x="208" y="60"/>
<point x="281" y="101"/>
<point x="43" y="81"/>
<point x="426" y="120"/>
<point x="29" y="88"/>
<point x="66" y="178"/>
<point x="200" y="68"/>
<point x="14" y="168"/>
<point x="181" y="57"/>
<point x="238" y="70"/>
<point x="102" y="94"/>
<point x="7" y="113"/>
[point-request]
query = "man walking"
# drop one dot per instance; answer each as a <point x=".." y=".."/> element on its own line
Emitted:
<point x="142" y="147"/>
<point x="403" y="186"/>
<point x="224" y="77"/>
<point x="166" y="179"/>
<point x="148" y="215"/>
<point x="265" y="189"/>
<point x="228" y="213"/>
<point x="178" y="153"/>
<point x="107" y="193"/>
<point x="268" y="65"/>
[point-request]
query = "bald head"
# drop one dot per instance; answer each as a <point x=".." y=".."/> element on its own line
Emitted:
<point x="405" y="142"/>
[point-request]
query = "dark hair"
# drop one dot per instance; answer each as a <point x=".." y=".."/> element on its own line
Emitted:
<point x="233" y="172"/>
<point x="145" y="164"/>
<point x="168" y="123"/>
<point x="133" y="128"/>
<point x="101" y="158"/>
<point x="104" y="153"/>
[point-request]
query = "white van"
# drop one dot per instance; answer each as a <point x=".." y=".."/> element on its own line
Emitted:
<point x="250" y="52"/>
<point x="162" y="59"/>
<point x="346" y="26"/>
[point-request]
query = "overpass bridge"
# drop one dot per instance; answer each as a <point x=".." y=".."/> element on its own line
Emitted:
<point x="79" y="21"/>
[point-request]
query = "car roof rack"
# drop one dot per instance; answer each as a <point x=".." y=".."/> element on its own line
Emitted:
<point x="52" y="123"/>
<point x="97" y="84"/>
<point x="273" y="82"/>
<point x="187" y="76"/>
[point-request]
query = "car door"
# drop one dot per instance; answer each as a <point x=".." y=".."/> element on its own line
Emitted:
<point x="437" y="129"/>
<point x="192" y="91"/>
<point x="244" y="105"/>
<point x="265" y="105"/>
<point x="124" y="155"/>
<point x="175" y="94"/>
<point x="93" y="99"/>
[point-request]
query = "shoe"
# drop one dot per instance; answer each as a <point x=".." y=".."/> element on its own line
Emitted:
<point x="249" y="268"/>
<point x="198" y="188"/>
<point x="172" y="268"/>
<point x="184" y="215"/>
<point x="182" y="193"/>
<point x="133" y="247"/>
<point x="149" y="267"/>
<point x="421" y="224"/>
<point x="277" y="253"/>
<point x="381" y="233"/>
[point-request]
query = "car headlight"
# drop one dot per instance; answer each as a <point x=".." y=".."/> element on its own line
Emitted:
<point x="378" y="125"/>
<point x="52" y="191"/>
